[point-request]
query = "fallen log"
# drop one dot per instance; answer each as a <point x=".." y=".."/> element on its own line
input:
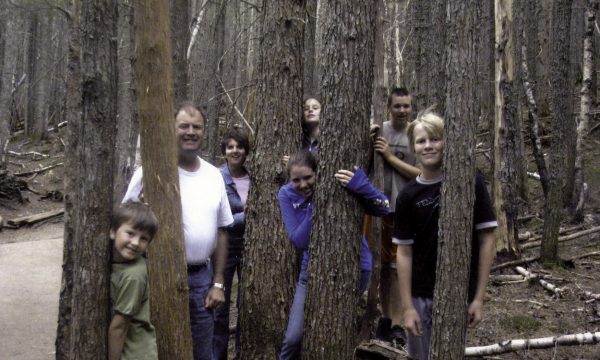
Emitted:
<point x="32" y="172"/>
<point x="507" y="346"/>
<point x="32" y="219"/>
<point x="527" y="236"/>
<point x="581" y="256"/>
<point x="377" y="349"/>
<point x="515" y="262"/>
<point x="546" y="285"/>
<point x="564" y="238"/>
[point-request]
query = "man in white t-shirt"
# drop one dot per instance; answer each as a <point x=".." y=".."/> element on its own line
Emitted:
<point x="206" y="213"/>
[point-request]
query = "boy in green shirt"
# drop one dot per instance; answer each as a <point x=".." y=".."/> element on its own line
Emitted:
<point x="130" y="334"/>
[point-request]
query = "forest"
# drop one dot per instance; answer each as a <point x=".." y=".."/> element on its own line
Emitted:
<point x="88" y="90"/>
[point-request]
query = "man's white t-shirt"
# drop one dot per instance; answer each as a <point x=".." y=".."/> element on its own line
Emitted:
<point x="204" y="205"/>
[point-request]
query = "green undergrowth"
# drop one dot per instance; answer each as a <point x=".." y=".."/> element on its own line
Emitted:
<point x="520" y="323"/>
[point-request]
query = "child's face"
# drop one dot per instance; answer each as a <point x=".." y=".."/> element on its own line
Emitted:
<point x="429" y="150"/>
<point x="303" y="179"/>
<point x="312" y="112"/>
<point x="129" y="243"/>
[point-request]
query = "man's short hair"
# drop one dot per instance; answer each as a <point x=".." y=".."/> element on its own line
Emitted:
<point x="431" y="122"/>
<point x="138" y="214"/>
<point x="397" y="91"/>
<point x="240" y="136"/>
<point x="191" y="109"/>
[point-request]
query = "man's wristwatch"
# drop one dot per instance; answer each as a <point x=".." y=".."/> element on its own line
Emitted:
<point x="219" y="286"/>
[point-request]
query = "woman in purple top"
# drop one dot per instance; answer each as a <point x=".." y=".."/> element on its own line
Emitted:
<point x="235" y="147"/>
<point x="296" y="203"/>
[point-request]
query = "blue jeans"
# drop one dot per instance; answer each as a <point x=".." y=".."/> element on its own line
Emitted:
<point x="221" y="337"/>
<point x="418" y="346"/>
<point x="292" y="342"/>
<point x="201" y="318"/>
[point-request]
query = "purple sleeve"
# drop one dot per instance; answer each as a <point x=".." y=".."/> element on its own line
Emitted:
<point x="373" y="200"/>
<point x="297" y="220"/>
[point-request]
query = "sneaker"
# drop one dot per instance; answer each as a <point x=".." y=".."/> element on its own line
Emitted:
<point x="398" y="336"/>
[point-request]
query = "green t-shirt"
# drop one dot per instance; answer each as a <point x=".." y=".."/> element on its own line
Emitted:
<point x="129" y="297"/>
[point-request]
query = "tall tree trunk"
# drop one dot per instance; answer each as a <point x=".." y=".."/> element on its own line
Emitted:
<point x="93" y="132"/>
<point x="507" y="125"/>
<point x="311" y="87"/>
<point x="269" y="261"/>
<point x="579" y="193"/>
<point x="560" y="94"/>
<point x="127" y="124"/>
<point x="457" y="193"/>
<point x="166" y="257"/>
<point x="180" y="35"/>
<point x="346" y="60"/>
<point x="215" y="105"/>
<point x="378" y="103"/>
<point x="429" y="42"/>
<point x="71" y="178"/>
<point x="7" y="73"/>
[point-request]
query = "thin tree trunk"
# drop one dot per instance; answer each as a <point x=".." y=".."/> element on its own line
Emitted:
<point x="507" y="125"/>
<point x="561" y="19"/>
<point x="93" y="133"/>
<point x="346" y="61"/>
<point x="269" y="261"/>
<point x="166" y="256"/>
<point x="379" y="101"/>
<point x="578" y="199"/>
<point x="457" y="193"/>
<point x="71" y="176"/>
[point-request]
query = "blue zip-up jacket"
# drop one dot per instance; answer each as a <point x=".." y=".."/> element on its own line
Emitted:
<point x="296" y="211"/>
<point x="235" y="230"/>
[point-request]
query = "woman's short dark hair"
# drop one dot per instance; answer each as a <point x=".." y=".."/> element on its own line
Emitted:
<point x="302" y="158"/>
<point x="239" y="136"/>
<point x="138" y="214"/>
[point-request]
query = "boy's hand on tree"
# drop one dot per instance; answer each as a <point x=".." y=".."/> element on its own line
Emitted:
<point x="215" y="298"/>
<point x="412" y="322"/>
<point x="382" y="147"/>
<point x="475" y="313"/>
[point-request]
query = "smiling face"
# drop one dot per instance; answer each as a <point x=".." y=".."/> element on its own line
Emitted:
<point x="400" y="109"/>
<point x="129" y="243"/>
<point x="303" y="179"/>
<point x="234" y="153"/>
<point x="429" y="150"/>
<point x="190" y="132"/>
<point x="312" y="112"/>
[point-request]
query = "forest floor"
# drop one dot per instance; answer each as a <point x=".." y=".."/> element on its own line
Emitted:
<point x="32" y="255"/>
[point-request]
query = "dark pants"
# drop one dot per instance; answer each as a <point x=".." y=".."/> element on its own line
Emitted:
<point x="221" y="336"/>
<point x="201" y="318"/>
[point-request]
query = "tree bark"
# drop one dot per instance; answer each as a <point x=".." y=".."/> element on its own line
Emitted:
<point x="128" y="123"/>
<point x="507" y="125"/>
<point x="561" y="19"/>
<point x="578" y="199"/>
<point x="88" y="220"/>
<point x="310" y="86"/>
<point x="7" y="73"/>
<point x="378" y="103"/>
<point x="269" y="260"/>
<point x="429" y="41"/>
<point x="180" y="35"/>
<point x="457" y="193"/>
<point x="166" y="255"/>
<point x="346" y="61"/>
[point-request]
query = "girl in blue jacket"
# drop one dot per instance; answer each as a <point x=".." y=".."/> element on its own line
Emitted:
<point x="296" y="203"/>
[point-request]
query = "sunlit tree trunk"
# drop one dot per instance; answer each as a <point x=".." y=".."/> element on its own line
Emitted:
<point x="166" y="256"/>
<point x="507" y="125"/>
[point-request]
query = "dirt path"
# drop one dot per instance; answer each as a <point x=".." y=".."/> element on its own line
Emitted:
<point x="30" y="271"/>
